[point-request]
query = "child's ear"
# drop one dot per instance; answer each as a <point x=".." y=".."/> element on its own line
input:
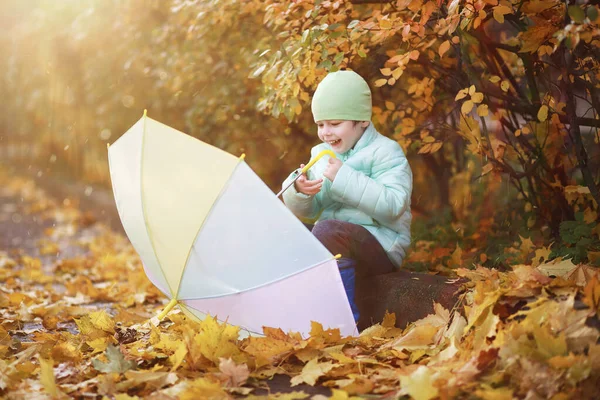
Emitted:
<point x="364" y="124"/>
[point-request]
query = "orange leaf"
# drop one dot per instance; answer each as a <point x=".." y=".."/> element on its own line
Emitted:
<point x="444" y="47"/>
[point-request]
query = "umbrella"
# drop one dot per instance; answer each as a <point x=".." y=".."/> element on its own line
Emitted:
<point x="216" y="240"/>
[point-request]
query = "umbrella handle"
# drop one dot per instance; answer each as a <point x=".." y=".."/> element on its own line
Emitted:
<point x="314" y="160"/>
<point x="168" y="308"/>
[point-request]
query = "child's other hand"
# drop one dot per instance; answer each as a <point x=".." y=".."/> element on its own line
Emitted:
<point x="332" y="168"/>
<point x="308" y="187"/>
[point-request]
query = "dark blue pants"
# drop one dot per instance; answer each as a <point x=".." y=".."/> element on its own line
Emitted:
<point x="362" y="255"/>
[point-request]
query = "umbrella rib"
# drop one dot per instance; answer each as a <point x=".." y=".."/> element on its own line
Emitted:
<point x="145" y="117"/>
<point x="263" y="285"/>
<point x="223" y="189"/>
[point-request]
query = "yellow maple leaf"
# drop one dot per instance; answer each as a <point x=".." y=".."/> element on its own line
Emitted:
<point x="47" y="379"/>
<point x="337" y="394"/>
<point x="486" y="329"/>
<point x="389" y="320"/>
<point x="489" y="393"/>
<point x="565" y="361"/>
<point x="66" y="351"/>
<point x="541" y="255"/>
<point x="549" y="345"/>
<point x="418" y="337"/>
<point x="480" y="309"/>
<point x="526" y="246"/>
<point x="178" y="356"/>
<point x="456" y="260"/>
<point x="311" y="372"/>
<point x="267" y="350"/>
<point x="100" y="344"/>
<point x="419" y="384"/>
<point x="200" y="388"/>
<point x="101" y="320"/>
<point x="217" y="340"/>
<point x="326" y="335"/>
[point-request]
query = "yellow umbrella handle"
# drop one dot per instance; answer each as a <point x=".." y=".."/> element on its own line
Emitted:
<point x="168" y="308"/>
<point x="314" y="160"/>
<point x="306" y="167"/>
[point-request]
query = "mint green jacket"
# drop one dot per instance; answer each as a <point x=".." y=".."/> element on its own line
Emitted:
<point x="372" y="189"/>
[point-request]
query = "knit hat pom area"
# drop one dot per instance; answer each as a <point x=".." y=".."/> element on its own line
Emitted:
<point x="342" y="95"/>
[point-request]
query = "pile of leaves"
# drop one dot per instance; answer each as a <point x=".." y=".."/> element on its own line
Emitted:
<point x="83" y="325"/>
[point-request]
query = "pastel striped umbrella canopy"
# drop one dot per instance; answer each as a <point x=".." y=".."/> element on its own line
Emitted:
<point x="214" y="238"/>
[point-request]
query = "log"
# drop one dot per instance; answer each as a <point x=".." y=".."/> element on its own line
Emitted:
<point x="410" y="295"/>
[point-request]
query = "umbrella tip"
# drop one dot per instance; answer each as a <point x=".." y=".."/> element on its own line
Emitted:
<point x="337" y="256"/>
<point x="242" y="156"/>
<point x="145" y="112"/>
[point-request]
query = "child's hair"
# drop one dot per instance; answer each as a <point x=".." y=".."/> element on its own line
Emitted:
<point x="342" y="95"/>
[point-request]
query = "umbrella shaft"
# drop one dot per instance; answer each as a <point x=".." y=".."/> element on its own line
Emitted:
<point x="290" y="184"/>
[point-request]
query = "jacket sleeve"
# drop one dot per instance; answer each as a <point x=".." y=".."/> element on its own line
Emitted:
<point x="385" y="196"/>
<point x="303" y="206"/>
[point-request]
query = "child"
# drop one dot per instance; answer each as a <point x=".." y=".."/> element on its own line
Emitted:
<point x="362" y="197"/>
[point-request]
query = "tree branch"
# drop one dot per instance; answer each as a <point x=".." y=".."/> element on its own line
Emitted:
<point x="575" y="134"/>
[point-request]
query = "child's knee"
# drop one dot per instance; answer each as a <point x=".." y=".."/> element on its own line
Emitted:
<point x="328" y="228"/>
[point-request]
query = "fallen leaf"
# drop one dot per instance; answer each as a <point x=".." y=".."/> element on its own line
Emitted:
<point x="116" y="362"/>
<point x="311" y="372"/>
<point x="420" y="384"/>
<point x="236" y="375"/>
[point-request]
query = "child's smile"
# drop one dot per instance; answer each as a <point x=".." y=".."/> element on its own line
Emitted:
<point x="340" y="135"/>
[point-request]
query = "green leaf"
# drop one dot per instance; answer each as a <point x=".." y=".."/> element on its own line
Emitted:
<point x="352" y="24"/>
<point x="576" y="14"/>
<point x="116" y="362"/>
<point x="326" y="64"/>
<point x="336" y="34"/>
<point x="338" y="58"/>
<point x="305" y="35"/>
<point x="592" y="13"/>
<point x="569" y="43"/>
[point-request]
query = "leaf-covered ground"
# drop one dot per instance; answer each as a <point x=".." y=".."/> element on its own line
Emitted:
<point x="76" y="314"/>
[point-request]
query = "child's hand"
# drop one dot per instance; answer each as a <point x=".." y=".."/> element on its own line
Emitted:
<point x="332" y="168"/>
<point x="307" y="187"/>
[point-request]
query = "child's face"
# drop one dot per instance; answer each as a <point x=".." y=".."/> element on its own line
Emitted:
<point x="341" y="135"/>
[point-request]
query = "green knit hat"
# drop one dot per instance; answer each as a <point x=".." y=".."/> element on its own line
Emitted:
<point x="342" y="95"/>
